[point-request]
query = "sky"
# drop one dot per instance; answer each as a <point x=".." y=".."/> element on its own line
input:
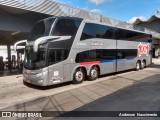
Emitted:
<point x="124" y="10"/>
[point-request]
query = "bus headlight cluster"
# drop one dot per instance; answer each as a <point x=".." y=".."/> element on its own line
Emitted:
<point x="39" y="75"/>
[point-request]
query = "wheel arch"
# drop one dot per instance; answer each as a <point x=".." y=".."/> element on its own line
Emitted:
<point x="144" y="60"/>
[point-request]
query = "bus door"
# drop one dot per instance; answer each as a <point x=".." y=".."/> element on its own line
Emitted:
<point x="55" y="60"/>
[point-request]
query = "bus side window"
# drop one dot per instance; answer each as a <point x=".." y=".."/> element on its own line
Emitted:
<point x="82" y="57"/>
<point x="51" y="57"/>
<point x="92" y="30"/>
<point x="92" y="55"/>
<point x="55" y="56"/>
<point x="120" y="34"/>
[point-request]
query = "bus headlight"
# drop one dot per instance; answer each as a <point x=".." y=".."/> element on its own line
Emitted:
<point x="40" y="75"/>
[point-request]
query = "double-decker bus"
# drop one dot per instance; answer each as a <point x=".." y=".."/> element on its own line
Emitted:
<point x="62" y="49"/>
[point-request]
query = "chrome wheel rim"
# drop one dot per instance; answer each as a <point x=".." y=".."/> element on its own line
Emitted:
<point x="94" y="73"/>
<point x="79" y="76"/>
<point x="143" y="64"/>
<point x="138" y="66"/>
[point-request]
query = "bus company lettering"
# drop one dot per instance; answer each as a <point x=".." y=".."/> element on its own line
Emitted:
<point x="96" y="43"/>
<point x="143" y="49"/>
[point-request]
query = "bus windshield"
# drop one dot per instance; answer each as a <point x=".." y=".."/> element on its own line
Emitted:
<point x="41" y="29"/>
<point x="34" y="60"/>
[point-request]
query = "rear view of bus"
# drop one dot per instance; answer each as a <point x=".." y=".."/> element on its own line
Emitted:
<point x="49" y="43"/>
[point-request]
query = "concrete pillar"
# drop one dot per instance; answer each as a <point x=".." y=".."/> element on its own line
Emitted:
<point x="9" y="56"/>
<point x="17" y="55"/>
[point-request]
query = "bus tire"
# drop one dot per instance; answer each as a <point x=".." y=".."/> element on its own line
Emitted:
<point x="93" y="74"/>
<point x="143" y="64"/>
<point x="138" y="65"/>
<point x="79" y="76"/>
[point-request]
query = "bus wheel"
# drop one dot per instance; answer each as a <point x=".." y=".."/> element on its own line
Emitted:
<point x="93" y="75"/>
<point x="79" y="76"/>
<point x="138" y="66"/>
<point x="143" y="64"/>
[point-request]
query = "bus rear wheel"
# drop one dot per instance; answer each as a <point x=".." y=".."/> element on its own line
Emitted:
<point x="93" y="75"/>
<point x="143" y="64"/>
<point x="78" y="76"/>
<point x="138" y="66"/>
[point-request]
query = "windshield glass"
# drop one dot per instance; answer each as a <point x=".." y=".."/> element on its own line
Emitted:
<point x="41" y="29"/>
<point x="34" y="60"/>
<point x="66" y="27"/>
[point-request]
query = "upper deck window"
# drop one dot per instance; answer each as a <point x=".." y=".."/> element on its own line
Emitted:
<point x="97" y="31"/>
<point x="66" y="27"/>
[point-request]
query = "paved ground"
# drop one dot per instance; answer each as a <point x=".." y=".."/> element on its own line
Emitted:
<point x="142" y="96"/>
<point x="68" y="97"/>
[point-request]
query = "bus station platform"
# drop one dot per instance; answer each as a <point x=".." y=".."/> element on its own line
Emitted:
<point x="9" y="78"/>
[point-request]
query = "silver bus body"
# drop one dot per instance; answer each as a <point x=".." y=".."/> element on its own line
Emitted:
<point x="95" y="49"/>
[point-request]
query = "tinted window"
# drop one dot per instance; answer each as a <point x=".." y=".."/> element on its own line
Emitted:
<point x="129" y="35"/>
<point x="48" y="24"/>
<point x="105" y="54"/>
<point x="96" y="31"/>
<point x="120" y="34"/>
<point x="133" y="53"/>
<point x="125" y="53"/>
<point x="95" y="55"/>
<point x="92" y="55"/>
<point x="37" y="31"/>
<point x="82" y="57"/>
<point x="141" y="37"/>
<point x="41" y="29"/>
<point x="34" y="60"/>
<point x="66" y="27"/>
<point x="106" y="32"/>
<point x="57" y="55"/>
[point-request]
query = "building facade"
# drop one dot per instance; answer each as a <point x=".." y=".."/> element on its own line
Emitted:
<point x="153" y="23"/>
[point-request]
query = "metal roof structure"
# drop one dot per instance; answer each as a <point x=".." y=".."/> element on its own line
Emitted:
<point x="152" y="18"/>
<point x="54" y="8"/>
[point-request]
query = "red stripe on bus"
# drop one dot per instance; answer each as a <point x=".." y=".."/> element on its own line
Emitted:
<point x="88" y="63"/>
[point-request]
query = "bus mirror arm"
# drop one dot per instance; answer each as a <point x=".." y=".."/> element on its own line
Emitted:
<point x="42" y="39"/>
<point x="17" y="43"/>
<point x="48" y="39"/>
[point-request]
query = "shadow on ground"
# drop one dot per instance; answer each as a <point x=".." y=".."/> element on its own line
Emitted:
<point x="143" y="96"/>
<point x="154" y="65"/>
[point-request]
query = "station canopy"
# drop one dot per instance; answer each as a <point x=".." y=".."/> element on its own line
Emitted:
<point x="18" y="16"/>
